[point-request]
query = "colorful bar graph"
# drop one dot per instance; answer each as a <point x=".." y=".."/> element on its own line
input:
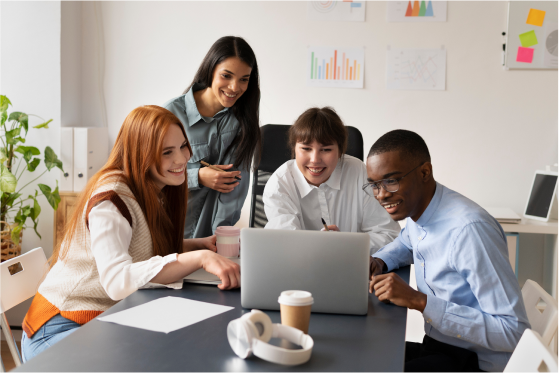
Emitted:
<point x="335" y="67"/>
<point x="332" y="70"/>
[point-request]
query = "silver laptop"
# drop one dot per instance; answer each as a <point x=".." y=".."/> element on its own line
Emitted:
<point x="333" y="266"/>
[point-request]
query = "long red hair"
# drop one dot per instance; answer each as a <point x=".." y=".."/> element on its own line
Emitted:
<point x="139" y="145"/>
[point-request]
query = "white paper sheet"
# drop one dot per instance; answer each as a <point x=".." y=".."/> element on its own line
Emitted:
<point x="416" y="69"/>
<point x="416" y="11"/>
<point x="166" y="314"/>
<point x="332" y="10"/>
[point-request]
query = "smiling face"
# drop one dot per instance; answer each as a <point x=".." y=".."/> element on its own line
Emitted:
<point x="415" y="190"/>
<point x="230" y="81"/>
<point x="175" y="155"/>
<point x="316" y="161"/>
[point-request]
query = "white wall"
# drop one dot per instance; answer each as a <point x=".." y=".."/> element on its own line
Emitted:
<point x="487" y="132"/>
<point x="30" y="76"/>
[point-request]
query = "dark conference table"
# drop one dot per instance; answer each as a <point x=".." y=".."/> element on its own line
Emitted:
<point x="375" y="342"/>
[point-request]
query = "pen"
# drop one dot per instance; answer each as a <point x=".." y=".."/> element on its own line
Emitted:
<point x="216" y="168"/>
<point x="324" y="223"/>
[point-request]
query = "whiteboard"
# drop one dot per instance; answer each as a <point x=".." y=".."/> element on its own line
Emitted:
<point x="544" y="53"/>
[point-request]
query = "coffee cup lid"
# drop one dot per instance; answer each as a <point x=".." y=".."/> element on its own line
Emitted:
<point x="295" y="298"/>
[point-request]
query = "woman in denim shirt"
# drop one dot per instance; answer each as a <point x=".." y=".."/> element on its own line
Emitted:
<point x="219" y="112"/>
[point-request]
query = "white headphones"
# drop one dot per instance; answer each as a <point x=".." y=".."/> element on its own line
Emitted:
<point x="250" y="335"/>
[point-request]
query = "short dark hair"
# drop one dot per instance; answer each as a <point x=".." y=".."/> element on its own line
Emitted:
<point x="408" y="143"/>
<point x="319" y="124"/>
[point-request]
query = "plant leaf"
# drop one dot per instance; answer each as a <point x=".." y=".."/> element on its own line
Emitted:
<point x="36" y="222"/>
<point x="15" y="233"/>
<point x="26" y="211"/>
<point x="8" y="181"/>
<point x="43" y="125"/>
<point x="11" y="197"/>
<point x="25" y="149"/>
<point x="4" y="116"/>
<point x="51" y="160"/>
<point x="31" y="166"/>
<point x="36" y="210"/>
<point x="21" y="118"/>
<point x="3" y="155"/>
<point x="4" y="102"/>
<point x="52" y="197"/>
<point x="28" y="152"/>
<point x="12" y="136"/>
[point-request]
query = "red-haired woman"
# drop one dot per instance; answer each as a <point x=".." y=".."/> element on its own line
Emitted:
<point x="126" y="232"/>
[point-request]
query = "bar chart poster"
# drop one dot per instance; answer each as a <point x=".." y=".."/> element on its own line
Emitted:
<point x="416" y="69"/>
<point x="335" y="67"/>
<point x="416" y="11"/>
<point x="332" y="10"/>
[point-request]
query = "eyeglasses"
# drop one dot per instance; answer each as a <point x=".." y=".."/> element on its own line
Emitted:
<point x="390" y="185"/>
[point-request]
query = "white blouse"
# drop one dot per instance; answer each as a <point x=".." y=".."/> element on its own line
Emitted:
<point x="110" y="239"/>
<point x="290" y="202"/>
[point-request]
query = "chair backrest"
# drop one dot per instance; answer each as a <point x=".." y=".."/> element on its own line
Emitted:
<point x="532" y="355"/>
<point x="275" y="152"/>
<point x="354" y="143"/>
<point x="28" y="269"/>
<point x="545" y="323"/>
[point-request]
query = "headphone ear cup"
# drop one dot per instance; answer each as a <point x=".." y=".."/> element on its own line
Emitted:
<point x="260" y="324"/>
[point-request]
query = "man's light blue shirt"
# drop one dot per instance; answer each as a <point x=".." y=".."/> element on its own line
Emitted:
<point x="461" y="263"/>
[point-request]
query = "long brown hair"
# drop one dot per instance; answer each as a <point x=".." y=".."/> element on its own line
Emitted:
<point x="139" y="145"/>
<point x="247" y="107"/>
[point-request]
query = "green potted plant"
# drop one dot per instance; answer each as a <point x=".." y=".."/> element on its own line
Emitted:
<point x="15" y="160"/>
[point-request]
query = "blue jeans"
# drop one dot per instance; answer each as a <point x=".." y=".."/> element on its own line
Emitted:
<point x="51" y="332"/>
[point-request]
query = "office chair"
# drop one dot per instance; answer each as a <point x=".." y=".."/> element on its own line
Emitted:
<point x="20" y="278"/>
<point x="531" y="355"/>
<point x="275" y="152"/>
<point x="545" y="323"/>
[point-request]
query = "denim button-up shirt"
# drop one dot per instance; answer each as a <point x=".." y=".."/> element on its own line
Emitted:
<point x="461" y="263"/>
<point x="209" y="139"/>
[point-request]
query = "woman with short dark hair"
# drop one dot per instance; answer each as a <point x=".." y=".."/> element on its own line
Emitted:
<point x="323" y="183"/>
<point x="219" y="112"/>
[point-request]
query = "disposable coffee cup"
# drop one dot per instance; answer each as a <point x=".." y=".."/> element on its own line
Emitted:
<point x="295" y="308"/>
<point x="227" y="241"/>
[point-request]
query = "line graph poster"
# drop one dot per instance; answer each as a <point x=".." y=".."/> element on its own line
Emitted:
<point x="335" y="67"/>
<point x="416" y="69"/>
<point x="331" y="10"/>
<point x="416" y="11"/>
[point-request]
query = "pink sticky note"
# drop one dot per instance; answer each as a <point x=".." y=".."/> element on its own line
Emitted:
<point x="525" y="55"/>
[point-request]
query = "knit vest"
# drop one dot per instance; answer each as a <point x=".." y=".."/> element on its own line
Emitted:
<point x="72" y="287"/>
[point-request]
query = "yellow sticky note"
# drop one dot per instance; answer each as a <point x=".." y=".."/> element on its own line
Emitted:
<point x="535" y="17"/>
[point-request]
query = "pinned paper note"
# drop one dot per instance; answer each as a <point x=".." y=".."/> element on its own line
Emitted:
<point x="525" y="55"/>
<point x="528" y="39"/>
<point x="535" y="17"/>
<point x="166" y="314"/>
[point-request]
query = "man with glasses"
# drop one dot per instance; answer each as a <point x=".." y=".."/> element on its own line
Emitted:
<point x="468" y="294"/>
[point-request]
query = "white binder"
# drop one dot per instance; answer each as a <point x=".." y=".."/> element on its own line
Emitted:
<point x="91" y="152"/>
<point x="66" y="179"/>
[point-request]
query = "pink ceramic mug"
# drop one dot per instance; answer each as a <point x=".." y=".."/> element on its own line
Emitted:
<point x="228" y="241"/>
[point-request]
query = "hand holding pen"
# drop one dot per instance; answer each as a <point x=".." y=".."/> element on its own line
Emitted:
<point x="218" y="178"/>
<point x="328" y="228"/>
